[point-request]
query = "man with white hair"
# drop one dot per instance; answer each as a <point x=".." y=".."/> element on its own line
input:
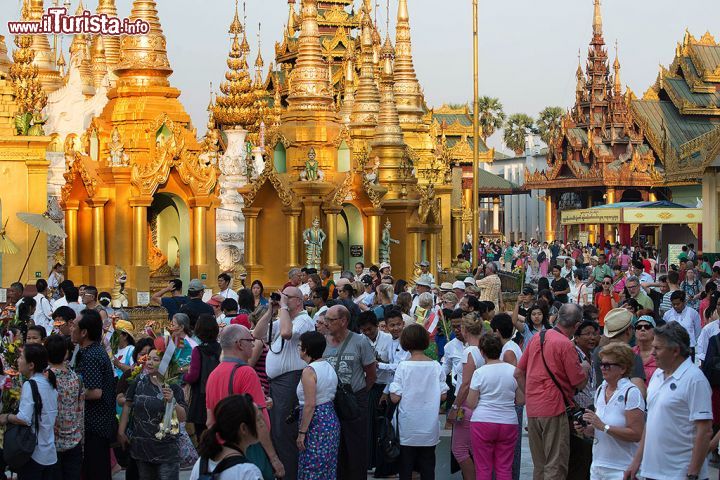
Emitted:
<point x="236" y="376"/>
<point x="284" y="367"/>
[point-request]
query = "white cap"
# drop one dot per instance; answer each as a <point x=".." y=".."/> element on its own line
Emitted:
<point x="469" y="281"/>
<point x="459" y="284"/>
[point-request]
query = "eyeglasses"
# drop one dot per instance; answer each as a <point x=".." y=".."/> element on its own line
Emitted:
<point x="607" y="283"/>
<point x="331" y="319"/>
<point x="644" y="326"/>
<point x="608" y="366"/>
<point x="633" y="286"/>
<point x="589" y="334"/>
<point x="252" y="340"/>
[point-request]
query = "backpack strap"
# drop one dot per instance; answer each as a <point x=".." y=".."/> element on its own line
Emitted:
<point x="37" y="408"/>
<point x="229" y="462"/>
<point x="231" y="382"/>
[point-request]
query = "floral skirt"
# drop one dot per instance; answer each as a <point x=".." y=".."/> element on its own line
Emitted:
<point x="319" y="459"/>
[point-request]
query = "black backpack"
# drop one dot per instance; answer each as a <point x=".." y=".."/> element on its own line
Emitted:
<point x="225" y="463"/>
<point x="711" y="366"/>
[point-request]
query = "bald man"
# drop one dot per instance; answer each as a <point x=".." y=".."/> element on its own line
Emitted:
<point x="284" y="368"/>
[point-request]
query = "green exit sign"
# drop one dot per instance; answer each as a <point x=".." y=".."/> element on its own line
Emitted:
<point x="38" y="275"/>
<point x="203" y="276"/>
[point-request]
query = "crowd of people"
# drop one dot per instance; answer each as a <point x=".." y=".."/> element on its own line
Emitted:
<point x="608" y="361"/>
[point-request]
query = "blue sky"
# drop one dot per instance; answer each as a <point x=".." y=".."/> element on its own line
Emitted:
<point x="528" y="48"/>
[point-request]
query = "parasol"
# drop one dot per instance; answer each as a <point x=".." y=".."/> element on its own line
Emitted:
<point x="43" y="223"/>
<point x="6" y="245"/>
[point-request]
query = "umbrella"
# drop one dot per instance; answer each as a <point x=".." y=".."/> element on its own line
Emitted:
<point x="43" y="223"/>
<point x="6" y="245"/>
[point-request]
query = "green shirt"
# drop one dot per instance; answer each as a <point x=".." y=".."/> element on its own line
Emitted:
<point x="601" y="271"/>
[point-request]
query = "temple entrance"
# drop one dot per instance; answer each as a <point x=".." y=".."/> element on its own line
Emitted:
<point x="350" y="237"/>
<point x="168" y="240"/>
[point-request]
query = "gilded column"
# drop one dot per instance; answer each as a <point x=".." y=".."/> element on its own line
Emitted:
<point x="652" y="197"/>
<point x="251" y="215"/>
<point x="432" y="255"/>
<point x="98" y="229"/>
<point x="496" y="215"/>
<point x="331" y="242"/>
<point x="549" y="210"/>
<point x="293" y="240"/>
<point x="139" y="232"/>
<point x="457" y="233"/>
<point x="71" y="216"/>
<point x="199" y="239"/>
<point x="610" y="228"/>
<point x="372" y="256"/>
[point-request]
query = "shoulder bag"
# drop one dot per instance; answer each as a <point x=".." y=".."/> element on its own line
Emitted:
<point x="346" y="405"/>
<point x="573" y="412"/>
<point x="389" y="436"/>
<point x="20" y="440"/>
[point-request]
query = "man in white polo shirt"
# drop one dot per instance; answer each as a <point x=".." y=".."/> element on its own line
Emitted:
<point x="686" y="316"/>
<point x="284" y="367"/>
<point x="679" y="421"/>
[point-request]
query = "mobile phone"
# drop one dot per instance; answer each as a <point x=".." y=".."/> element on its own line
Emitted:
<point x="275" y="297"/>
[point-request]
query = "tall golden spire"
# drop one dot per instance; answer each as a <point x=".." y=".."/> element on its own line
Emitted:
<point x="277" y="99"/>
<point x="259" y="63"/>
<point x="48" y="74"/>
<point x="597" y="19"/>
<point x="309" y="86"/>
<point x="349" y="93"/>
<point x="367" y="98"/>
<point x="99" y="62"/>
<point x="407" y="88"/>
<point x="143" y="58"/>
<point x="388" y="131"/>
<point x="291" y="19"/>
<point x="111" y="42"/>
<point x="617" y="86"/>
<point x="234" y="108"/>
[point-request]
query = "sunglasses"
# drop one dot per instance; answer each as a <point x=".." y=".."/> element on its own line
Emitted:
<point x="606" y="283"/>
<point x="644" y="326"/>
<point x="607" y="366"/>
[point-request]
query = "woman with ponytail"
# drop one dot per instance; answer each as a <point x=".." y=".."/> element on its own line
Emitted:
<point x="222" y="447"/>
<point x="32" y="364"/>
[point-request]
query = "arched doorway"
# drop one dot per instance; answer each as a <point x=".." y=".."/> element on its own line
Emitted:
<point x="168" y="240"/>
<point x="350" y="237"/>
<point x="631" y="195"/>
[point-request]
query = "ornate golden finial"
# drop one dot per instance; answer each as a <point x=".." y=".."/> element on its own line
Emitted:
<point x="111" y="42"/>
<point x="4" y="59"/>
<point x="616" y="68"/>
<point x="259" y="64"/>
<point x="291" y="27"/>
<point x="367" y="98"/>
<point x="236" y="27"/>
<point x="309" y="86"/>
<point x="388" y="131"/>
<point x="143" y="58"/>
<point x="80" y="57"/>
<point x="597" y="19"/>
<point x="407" y="88"/>
<point x="349" y="92"/>
<point x="99" y="64"/>
<point x="245" y="46"/>
<point x="277" y="100"/>
<point x="211" y="104"/>
<point x="29" y="94"/>
<point x="44" y="59"/>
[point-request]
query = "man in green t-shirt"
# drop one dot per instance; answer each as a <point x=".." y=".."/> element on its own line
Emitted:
<point x="600" y="271"/>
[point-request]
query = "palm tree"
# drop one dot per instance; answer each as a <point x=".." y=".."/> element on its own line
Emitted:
<point x="491" y="116"/>
<point x="549" y="121"/>
<point x="518" y="125"/>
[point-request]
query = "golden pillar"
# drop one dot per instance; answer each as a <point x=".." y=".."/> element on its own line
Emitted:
<point x="293" y="223"/>
<point x="372" y="257"/>
<point x="98" y="229"/>
<point x="71" y="218"/>
<point x="610" y="228"/>
<point x="331" y="231"/>
<point x="592" y="229"/>
<point x="457" y="233"/>
<point x="432" y="251"/>
<point x="549" y="211"/>
<point x="251" y="216"/>
<point x="652" y="197"/>
<point x="140" y="226"/>
<point x="199" y="237"/>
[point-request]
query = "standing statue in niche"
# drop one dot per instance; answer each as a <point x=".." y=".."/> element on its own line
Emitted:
<point x="314" y="237"/>
<point x="385" y="242"/>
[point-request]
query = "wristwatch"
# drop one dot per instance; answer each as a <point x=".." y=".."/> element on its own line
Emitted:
<point x="606" y="428"/>
<point x="692" y="477"/>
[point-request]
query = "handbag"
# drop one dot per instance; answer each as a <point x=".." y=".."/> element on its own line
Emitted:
<point x="389" y="436"/>
<point x="188" y="454"/>
<point x="346" y="405"/>
<point x="20" y="440"/>
<point x="573" y="412"/>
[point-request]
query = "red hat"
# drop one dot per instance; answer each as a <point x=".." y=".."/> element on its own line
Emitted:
<point x="241" y="319"/>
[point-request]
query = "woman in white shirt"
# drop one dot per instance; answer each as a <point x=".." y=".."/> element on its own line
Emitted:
<point x="418" y="388"/>
<point x="472" y="329"/>
<point x="578" y="289"/>
<point x="319" y="427"/>
<point x="31" y="364"/>
<point x="619" y="418"/>
<point x="493" y="395"/>
<point x="222" y="447"/>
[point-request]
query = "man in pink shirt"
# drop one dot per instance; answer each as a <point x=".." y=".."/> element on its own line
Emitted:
<point x="235" y="377"/>
<point x="546" y="399"/>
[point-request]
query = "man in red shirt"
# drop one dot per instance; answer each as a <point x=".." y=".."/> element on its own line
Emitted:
<point x="606" y="299"/>
<point x="548" y="425"/>
<point x="235" y="377"/>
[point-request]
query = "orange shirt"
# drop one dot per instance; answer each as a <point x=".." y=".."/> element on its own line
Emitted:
<point x="604" y="304"/>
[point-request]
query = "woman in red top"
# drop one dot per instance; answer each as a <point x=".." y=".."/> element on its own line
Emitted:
<point x="606" y="299"/>
<point x="644" y="336"/>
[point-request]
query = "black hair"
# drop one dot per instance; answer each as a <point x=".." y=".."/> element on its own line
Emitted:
<point x="230" y="413"/>
<point x="142" y="343"/>
<point x="638" y="264"/>
<point x="457" y="313"/>
<point x="360" y="263"/>
<point x="710" y="287"/>
<point x="246" y="301"/>
<point x="374" y="268"/>
<point x="502" y="322"/>
<point x="543" y="284"/>
<point x="18" y="286"/>
<point x="678" y="295"/>
<point x="28" y="303"/>
<point x="473" y="303"/>
<point x="177" y="284"/>
<point x="64" y="312"/>
<point x="65" y="284"/>
<point x="557" y="267"/>
<point x="206" y="327"/>
<point x="128" y="337"/>
<point x="367" y="318"/>
<point x="491" y="346"/>
<point x="38" y="355"/>
<point x="224" y="276"/>
<point x="91" y="321"/>
<point x="39" y="329"/>
<point x="393" y="312"/>
<point x="322" y="292"/>
<point x="400" y="286"/>
<point x="260" y="284"/>
<point x="228" y="305"/>
<point x="71" y="293"/>
<point x="584" y="324"/>
<point x="545" y="314"/>
<point x="347" y="288"/>
<point x="41" y="285"/>
<point x="313" y="344"/>
<point x="414" y="337"/>
<point x="58" y="348"/>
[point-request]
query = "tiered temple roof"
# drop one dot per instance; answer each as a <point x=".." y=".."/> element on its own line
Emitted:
<point x="598" y="143"/>
<point x="680" y="113"/>
<point x="452" y="126"/>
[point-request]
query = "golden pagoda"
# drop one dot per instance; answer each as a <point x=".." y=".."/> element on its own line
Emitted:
<point x="139" y="202"/>
<point x="32" y="11"/>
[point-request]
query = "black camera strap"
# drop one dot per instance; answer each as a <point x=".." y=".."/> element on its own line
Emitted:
<point x="552" y="377"/>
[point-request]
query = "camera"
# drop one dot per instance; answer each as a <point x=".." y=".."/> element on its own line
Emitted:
<point x="275" y="297"/>
<point x="576" y="414"/>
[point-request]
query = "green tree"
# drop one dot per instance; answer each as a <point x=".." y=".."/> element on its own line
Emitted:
<point x="517" y="127"/>
<point x="549" y="121"/>
<point x="491" y="116"/>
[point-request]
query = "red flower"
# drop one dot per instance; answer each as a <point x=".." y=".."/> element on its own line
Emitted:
<point x="159" y="344"/>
